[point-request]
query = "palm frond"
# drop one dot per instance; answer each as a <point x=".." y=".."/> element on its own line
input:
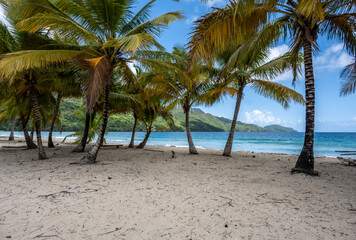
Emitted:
<point x="349" y="79"/>
<point x="12" y="63"/>
<point x="131" y="43"/>
<point x="277" y="92"/>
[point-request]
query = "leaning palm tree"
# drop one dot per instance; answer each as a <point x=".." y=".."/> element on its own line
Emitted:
<point x="249" y="66"/>
<point x="64" y="86"/>
<point x="303" y="21"/>
<point x="106" y="33"/>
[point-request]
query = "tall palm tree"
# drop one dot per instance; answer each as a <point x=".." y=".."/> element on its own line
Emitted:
<point x="107" y="33"/>
<point x="249" y="65"/>
<point x="303" y="21"/>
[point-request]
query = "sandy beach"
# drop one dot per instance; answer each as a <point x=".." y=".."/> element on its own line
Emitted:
<point x="147" y="194"/>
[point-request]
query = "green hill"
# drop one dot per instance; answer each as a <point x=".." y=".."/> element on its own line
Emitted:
<point x="199" y="122"/>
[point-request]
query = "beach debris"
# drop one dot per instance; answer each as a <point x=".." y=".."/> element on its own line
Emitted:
<point x="349" y="161"/>
<point x="173" y="154"/>
<point x="54" y="194"/>
<point x="116" y="229"/>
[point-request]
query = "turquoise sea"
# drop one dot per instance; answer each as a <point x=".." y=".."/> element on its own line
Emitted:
<point x="269" y="142"/>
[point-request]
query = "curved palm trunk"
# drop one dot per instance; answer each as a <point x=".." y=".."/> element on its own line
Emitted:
<point x="192" y="149"/>
<point x="29" y="142"/>
<point x="132" y="143"/>
<point x="148" y="133"/>
<point x="55" y="114"/>
<point x="11" y="137"/>
<point x="230" y="140"/>
<point x="305" y="162"/>
<point x="36" y="113"/>
<point x="90" y="158"/>
<point x="81" y="145"/>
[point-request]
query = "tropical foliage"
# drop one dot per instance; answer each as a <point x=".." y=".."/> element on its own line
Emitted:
<point x="302" y="22"/>
<point x="58" y="56"/>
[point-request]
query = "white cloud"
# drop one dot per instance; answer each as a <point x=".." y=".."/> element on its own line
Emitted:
<point x="261" y="117"/>
<point x="275" y="52"/>
<point x="333" y="57"/>
<point x="191" y="19"/>
<point x="211" y="3"/>
<point x="132" y="67"/>
<point x="354" y="119"/>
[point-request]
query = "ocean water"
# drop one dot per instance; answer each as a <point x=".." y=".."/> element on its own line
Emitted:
<point x="268" y="142"/>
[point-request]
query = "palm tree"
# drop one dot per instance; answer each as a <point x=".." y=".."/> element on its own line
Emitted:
<point x="23" y="41"/>
<point x="153" y="108"/>
<point x="185" y="85"/>
<point x="107" y="33"/>
<point x="64" y="85"/>
<point x="249" y="65"/>
<point x="94" y="123"/>
<point x="302" y="21"/>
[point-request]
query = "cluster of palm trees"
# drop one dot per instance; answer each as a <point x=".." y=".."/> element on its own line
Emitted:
<point x="55" y="49"/>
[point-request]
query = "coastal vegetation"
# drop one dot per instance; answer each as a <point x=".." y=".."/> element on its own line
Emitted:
<point x="199" y="122"/>
<point x="104" y="60"/>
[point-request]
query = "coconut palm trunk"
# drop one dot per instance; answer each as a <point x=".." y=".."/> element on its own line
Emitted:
<point x="83" y="142"/>
<point x="11" y="137"/>
<point x="30" y="144"/>
<point x="305" y="162"/>
<point x="230" y="140"/>
<point x="54" y="118"/>
<point x="90" y="158"/>
<point x="132" y="143"/>
<point x="192" y="149"/>
<point x="36" y="113"/>
<point x="148" y="133"/>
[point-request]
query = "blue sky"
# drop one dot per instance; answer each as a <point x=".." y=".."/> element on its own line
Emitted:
<point x="333" y="113"/>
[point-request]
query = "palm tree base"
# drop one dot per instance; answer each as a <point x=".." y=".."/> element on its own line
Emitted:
<point x="79" y="148"/>
<point x="140" y="146"/>
<point x="226" y="155"/>
<point x="194" y="152"/>
<point x="131" y="146"/>
<point x="50" y="144"/>
<point x="31" y="146"/>
<point x="87" y="159"/>
<point x="42" y="157"/>
<point x="305" y="171"/>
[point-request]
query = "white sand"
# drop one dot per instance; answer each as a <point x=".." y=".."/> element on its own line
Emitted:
<point x="145" y="194"/>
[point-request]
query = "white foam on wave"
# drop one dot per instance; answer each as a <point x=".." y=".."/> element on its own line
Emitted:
<point x="178" y="146"/>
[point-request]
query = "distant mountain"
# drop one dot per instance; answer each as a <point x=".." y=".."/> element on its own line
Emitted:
<point x="199" y="122"/>
<point x="278" y="128"/>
